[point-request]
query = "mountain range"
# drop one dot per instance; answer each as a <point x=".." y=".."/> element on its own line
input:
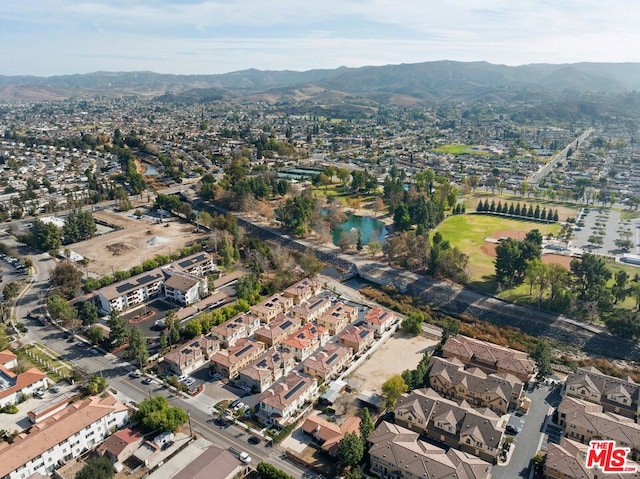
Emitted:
<point x="431" y="82"/>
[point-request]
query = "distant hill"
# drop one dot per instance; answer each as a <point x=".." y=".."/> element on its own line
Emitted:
<point x="432" y="82"/>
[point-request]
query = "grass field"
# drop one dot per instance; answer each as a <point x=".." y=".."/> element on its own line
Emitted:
<point x="453" y="149"/>
<point x="468" y="232"/>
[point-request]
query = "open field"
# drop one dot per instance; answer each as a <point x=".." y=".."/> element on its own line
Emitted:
<point x="468" y="232"/>
<point x="453" y="149"/>
<point x="400" y="352"/>
<point x="138" y="240"/>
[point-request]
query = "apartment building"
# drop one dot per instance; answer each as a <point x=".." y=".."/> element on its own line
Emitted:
<point x="358" y="338"/>
<point x="583" y="421"/>
<point x="500" y="392"/>
<point x="185" y="289"/>
<point x="490" y="357"/>
<point x="616" y="395"/>
<point x="397" y="453"/>
<point x="132" y="291"/>
<point x="303" y="290"/>
<point x="328" y="363"/>
<point x="568" y="460"/>
<point x="306" y="340"/>
<point x="266" y="370"/>
<point x="270" y="308"/>
<point x="379" y="319"/>
<point x="16" y="387"/>
<point x="191" y="356"/>
<point x="337" y="318"/>
<point x="58" y="439"/>
<point x="310" y="310"/>
<point x="280" y="404"/>
<point x="198" y="264"/>
<point x="273" y="333"/>
<point x="240" y="326"/>
<point x="230" y="361"/>
<point x="476" y="431"/>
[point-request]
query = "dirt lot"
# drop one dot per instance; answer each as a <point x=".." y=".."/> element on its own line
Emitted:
<point x="400" y="352"/>
<point x="139" y="240"/>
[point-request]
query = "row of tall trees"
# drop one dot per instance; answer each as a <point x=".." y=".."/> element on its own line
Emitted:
<point x="511" y="209"/>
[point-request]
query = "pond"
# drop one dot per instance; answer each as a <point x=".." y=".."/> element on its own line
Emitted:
<point x="371" y="229"/>
<point x="150" y="170"/>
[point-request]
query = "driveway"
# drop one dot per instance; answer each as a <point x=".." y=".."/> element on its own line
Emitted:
<point x="528" y="442"/>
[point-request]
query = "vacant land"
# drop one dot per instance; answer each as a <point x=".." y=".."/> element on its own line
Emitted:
<point x="140" y="239"/>
<point x="400" y="352"/>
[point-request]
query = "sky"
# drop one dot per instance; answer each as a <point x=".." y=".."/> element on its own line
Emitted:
<point x="57" y="37"/>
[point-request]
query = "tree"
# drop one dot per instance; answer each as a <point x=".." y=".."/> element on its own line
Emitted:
<point x="60" y="309"/>
<point x="591" y="275"/>
<point x="393" y="388"/>
<point x="374" y="247"/>
<point x="619" y="289"/>
<point x="412" y="323"/>
<point x="96" y="385"/>
<point x="78" y="226"/>
<point x="138" y="346"/>
<point x="10" y="291"/>
<point x="350" y="450"/>
<point x="66" y="278"/>
<point x="450" y="329"/>
<point x="366" y="425"/>
<point x="45" y="236"/>
<point x="118" y="333"/>
<point x="192" y="329"/>
<point x="507" y="258"/>
<point x="401" y="218"/>
<point x="155" y="414"/>
<point x="268" y="471"/>
<point x="96" y="467"/>
<point x="310" y="263"/>
<point x="95" y="334"/>
<point x="88" y="313"/>
<point x="542" y="355"/>
<point x="163" y="341"/>
<point x="172" y="327"/>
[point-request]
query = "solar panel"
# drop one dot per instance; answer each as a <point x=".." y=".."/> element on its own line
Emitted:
<point x="286" y="324"/>
<point x="243" y="350"/>
<point x="294" y="389"/>
<point x="332" y="358"/>
<point x="364" y="333"/>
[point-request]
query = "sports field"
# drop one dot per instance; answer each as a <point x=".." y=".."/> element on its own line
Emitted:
<point x="469" y="233"/>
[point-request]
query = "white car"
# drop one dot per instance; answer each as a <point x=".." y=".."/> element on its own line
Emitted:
<point x="244" y="457"/>
<point x="183" y="377"/>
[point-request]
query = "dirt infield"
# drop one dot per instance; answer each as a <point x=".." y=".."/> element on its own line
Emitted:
<point x="515" y="234"/>
<point x="139" y="240"/>
<point x="400" y="352"/>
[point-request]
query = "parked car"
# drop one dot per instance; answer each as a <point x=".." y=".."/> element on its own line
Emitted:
<point x="244" y="457"/>
<point x="167" y="445"/>
<point x="135" y="374"/>
<point x="147" y="381"/>
<point x="54" y="389"/>
<point x="254" y="440"/>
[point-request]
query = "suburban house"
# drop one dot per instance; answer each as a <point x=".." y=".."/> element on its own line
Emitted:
<point x="121" y="445"/>
<point x="273" y="333"/>
<point x="240" y="326"/>
<point x="306" y="340"/>
<point x="329" y="434"/>
<point x="310" y="310"/>
<point x="214" y="463"/>
<point x="379" y="319"/>
<point x="500" y="392"/>
<point x="490" y="357"/>
<point x="190" y="356"/>
<point x="328" y="363"/>
<point x="303" y="290"/>
<point x="398" y="453"/>
<point x="583" y="421"/>
<point x="270" y="308"/>
<point x="16" y="387"/>
<point x="338" y="317"/>
<point x="185" y="289"/>
<point x="230" y="361"/>
<point x="616" y="395"/>
<point x="280" y="403"/>
<point x="266" y="370"/>
<point x="476" y="431"/>
<point x="358" y="338"/>
<point x="58" y="439"/>
<point x="132" y="291"/>
<point x="569" y="459"/>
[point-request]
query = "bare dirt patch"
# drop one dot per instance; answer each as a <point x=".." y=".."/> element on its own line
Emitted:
<point x="557" y="259"/>
<point x="139" y="240"/>
<point x="515" y="234"/>
<point x="489" y="249"/>
<point x="400" y="352"/>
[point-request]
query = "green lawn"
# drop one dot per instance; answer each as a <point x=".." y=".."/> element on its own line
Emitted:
<point x="453" y="149"/>
<point x="468" y="232"/>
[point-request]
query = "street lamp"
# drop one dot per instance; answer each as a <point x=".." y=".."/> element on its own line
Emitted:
<point x="189" y="416"/>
